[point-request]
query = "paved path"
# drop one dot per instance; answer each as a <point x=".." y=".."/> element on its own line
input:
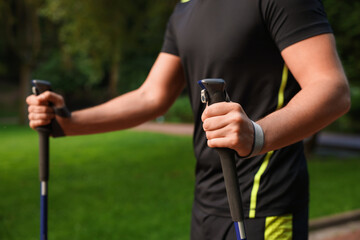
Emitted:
<point x="348" y="231"/>
<point x="339" y="227"/>
<point x="168" y="128"/>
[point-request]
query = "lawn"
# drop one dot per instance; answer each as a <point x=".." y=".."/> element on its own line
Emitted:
<point x="126" y="185"/>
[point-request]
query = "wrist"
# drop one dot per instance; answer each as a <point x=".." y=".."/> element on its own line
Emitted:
<point x="258" y="140"/>
<point x="63" y="117"/>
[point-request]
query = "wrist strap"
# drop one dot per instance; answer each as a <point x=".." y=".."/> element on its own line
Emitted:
<point x="258" y="139"/>
<point x="56" y="130"/>
<point x="63" y="112"/>
<point x="258" y="142"/>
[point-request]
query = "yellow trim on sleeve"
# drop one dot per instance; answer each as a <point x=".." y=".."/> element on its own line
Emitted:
<point x="184" y="1"/>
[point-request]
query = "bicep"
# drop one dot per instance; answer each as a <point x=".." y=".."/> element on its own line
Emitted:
<point x="324" y="94"/>
<point x="315" y="60"/>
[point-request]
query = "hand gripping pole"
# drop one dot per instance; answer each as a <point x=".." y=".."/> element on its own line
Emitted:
<point x="213" y="91"/>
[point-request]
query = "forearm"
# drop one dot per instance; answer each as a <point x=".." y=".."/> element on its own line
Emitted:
<point x="125" y="111"/>
<point x="162" y="86"/>
<point x="160" y="89"/>
<point x="324" y="96"/>
<point x="312" y="109"/>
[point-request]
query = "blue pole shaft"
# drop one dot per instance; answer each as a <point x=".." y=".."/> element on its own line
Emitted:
<point x="240" y="231"/>
<point x="43" y="211"/>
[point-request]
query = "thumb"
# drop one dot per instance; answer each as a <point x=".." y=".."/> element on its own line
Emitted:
<point x="54" y="98"/>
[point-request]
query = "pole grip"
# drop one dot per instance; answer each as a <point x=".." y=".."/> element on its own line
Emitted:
<point x="40" y="86"/>
<point x="215" y="92"/>
<point x="43" y="154"/>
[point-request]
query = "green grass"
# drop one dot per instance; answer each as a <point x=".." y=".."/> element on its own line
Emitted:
<point x="334" y="185"/>
<point x="126" y="185"/>
<point x="123" y="185"/>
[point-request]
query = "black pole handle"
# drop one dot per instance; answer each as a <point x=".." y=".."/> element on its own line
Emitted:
<point x="214" y="92"/>
<point x="40" y="86"/>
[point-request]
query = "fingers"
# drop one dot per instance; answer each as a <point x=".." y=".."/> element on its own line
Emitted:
<point x="227" y="126"/>
<point x="227" y="136"/>
<point x="45" y="98"/>
<point x="219" y="109"/>
<point x="40" y="113"/>
<point x="37" y="123"/>
<point x="56" y="99"/>
<point x="40" y="109"/>
<point x="220" y="115"/>
<point x="224" y="142"/>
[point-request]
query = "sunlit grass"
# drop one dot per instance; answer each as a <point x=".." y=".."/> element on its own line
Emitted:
<point x="126" y="185"/>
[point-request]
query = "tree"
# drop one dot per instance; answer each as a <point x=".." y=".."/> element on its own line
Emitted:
<point x="22" y="32"/>
<point x="344" y="18"/>
<point x="100" y="32"/>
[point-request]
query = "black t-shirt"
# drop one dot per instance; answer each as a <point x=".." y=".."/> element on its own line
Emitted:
<point x="240" y="41"/>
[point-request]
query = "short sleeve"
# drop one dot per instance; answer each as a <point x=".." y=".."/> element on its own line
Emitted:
<point x="169" y="44"/>
<point x="290" y="21"/>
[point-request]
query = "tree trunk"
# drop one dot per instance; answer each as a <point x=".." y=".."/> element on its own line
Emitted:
<point x="23" y="34"/>
<point x="114" y="76"/>
<point x="25" y="77"/>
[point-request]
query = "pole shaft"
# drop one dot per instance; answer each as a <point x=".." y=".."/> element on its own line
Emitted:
<point x="43" y="210"/>
<point x="39" y="87"/>
<point x="44" y="178"/>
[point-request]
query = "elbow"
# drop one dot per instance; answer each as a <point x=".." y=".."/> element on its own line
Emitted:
<point x="343" y="99"/>
<point x="154" y="103"/>
<point x="347" y="103"/>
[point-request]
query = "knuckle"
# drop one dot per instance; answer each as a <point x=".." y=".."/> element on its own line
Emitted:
<point x="43" y="122"/>
<point x="32" y="124"/>
<point x="30" y="100"/>
<point x="208" y="135"/>
<point x="47" y="94"/>
<point x="235" y="128"/>
<point x="233" y="141"/>
<point x="237" y="107"/>
<point x="205" y="124"/>
<point x="237" y="118"/>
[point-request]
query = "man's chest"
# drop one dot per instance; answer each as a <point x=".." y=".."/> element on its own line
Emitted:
<point x="221" y="30"/>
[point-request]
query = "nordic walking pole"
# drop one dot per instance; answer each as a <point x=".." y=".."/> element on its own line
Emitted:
<point x="39" y="87"/>
<point x="214" y="92"/>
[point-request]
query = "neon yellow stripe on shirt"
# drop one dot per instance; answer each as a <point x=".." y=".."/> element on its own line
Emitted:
<point x="184" y="1"/>
<point x="284" y="79"/>
<point x="256" y="184"/>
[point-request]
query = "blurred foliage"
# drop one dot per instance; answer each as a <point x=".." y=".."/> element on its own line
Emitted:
<point x="21" y="30"/>
<point x="344" y="18"/>
<point x="98" y="38"/>
<point x="180" y="111"/>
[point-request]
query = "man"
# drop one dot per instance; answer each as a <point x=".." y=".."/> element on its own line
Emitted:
<point x="282" y="70"/>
